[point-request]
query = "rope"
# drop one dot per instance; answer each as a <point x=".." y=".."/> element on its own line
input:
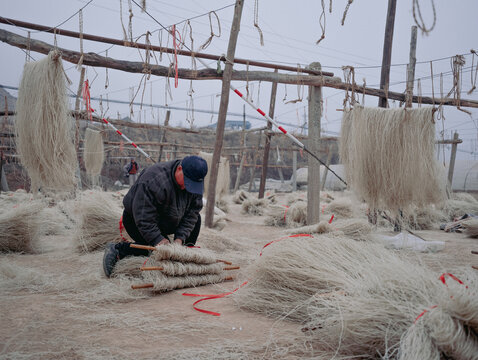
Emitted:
<point x="80" y="19"/>
<point x="420" y="22"/>
<point x="322" y="21"/>
<point x="27" y="53"/>
<point x="256" y="21"/>
<point x="473" y="81"/>
<point x="130" y="21"/>
<point x="213" y="34"/>
<point x="300" y="89"/>
<point x="346" y="10"/>
<point x="107" y="79"/>
<point x="176" y="48"/>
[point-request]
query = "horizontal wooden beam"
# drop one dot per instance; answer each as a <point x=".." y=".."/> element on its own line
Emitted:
<point x="96" y="60"/>
<point x="160" y="49"/>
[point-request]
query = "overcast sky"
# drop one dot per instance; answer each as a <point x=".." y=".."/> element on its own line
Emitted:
<point x="290" y="28"/>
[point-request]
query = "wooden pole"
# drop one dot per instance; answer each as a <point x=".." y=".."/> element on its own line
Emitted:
<point x="243" y="151"/>
<point x="68" y="33"/>
<point x="211" y="74"/>
<point x="267" y="146"/>
<point x="163" y="135"/>
<point x="77" y="125"/>
<point x="313" y="173"/>
<point x="255" y="155"/>
<point x="221" y="119"/>
<point x="294" y="170"/>
<point x="387" y="52"/>
<point x="411" y="68"/>
<point x="451" y="167"/>
<point x="326" y="170"/>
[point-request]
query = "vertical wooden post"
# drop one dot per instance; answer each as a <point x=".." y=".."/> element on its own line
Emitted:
<point x="243" y="149"/>
<point x="1" y="171"/>
<point x="163" y="135"/>
<point x="294" y="170"/>
<point x="221" y="119"/>
<point x="326" y="170"/>
<point x="77" y="125"/>
<point x="411" y="68"/>
<point x="451" y="167"/>
<point x="267" y="146"/>
<point x="313" y="173"/>
<point x="387" y="51"/>
<point x="254" y="162"/>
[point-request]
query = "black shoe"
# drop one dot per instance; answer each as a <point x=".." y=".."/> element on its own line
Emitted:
<point x="110" y="258"/>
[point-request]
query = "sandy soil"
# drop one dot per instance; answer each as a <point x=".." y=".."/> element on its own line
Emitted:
<point x="58" y="304"/>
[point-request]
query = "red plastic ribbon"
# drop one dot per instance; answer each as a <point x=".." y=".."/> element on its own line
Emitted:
<point x="211" y="297"/>
<point x="282" y="238"/>
<point x="331" y="218"/>
<point x="424" y="312"/>
<point x="121" y="227"/>
<point x="443" y="279"/>
<point x="176" y="48"/>
<point x="285" y="212"/>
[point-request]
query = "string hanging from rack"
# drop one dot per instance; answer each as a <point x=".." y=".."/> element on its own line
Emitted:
<point x="212" y="33"/>
<point x="420" y="22"/>
<point x="322" y="21"/>
<point x="256" y="22"/>
<point x="80" y="19"/>
<point x="473" y="79"/>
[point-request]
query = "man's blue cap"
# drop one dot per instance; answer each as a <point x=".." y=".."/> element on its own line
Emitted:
<point x="194" y="170"/>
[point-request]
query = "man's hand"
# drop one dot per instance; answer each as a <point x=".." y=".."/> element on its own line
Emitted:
<point x="163" y="242"/>
<point x="178" y="241"/>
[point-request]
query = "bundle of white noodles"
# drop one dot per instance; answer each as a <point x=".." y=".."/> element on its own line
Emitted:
<point x="223" y="175"/>
<point x="471" y="227"/>
<point x="98" y="223"/>
<point x="21" y="226"/>
<point x="290" y="216"/>
<point x="357" y="229"/>
<point x="163" y="283"/>
<point x="93" y="154"/>
<point x="456" y="208"/>
<point x="254" y="206"/>
<point x="358" y="299"/>
<point x="176" y="252"/>
<point x="240" y="196"/>
<point x="43" y="136"/>
<point x="388" y="155"/>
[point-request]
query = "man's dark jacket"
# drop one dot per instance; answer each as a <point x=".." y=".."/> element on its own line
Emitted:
<point x="159" y="206"/>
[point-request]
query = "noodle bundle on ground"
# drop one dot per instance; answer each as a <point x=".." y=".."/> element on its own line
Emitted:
<point x="357" y="299"/>
<point x="99" y="221"/>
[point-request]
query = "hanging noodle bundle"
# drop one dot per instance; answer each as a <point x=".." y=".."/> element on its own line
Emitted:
<point x="99" y="221"/>
<point x="93" y="154"/>
<point x="223" y="175"/>
<point x="44" y="140"/>
<point x="388" y="155"/>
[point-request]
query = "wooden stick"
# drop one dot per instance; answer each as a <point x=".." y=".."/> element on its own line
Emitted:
<point x="474" y="267"/>
<point x="225" y="262"/>
<point x="152" y="268"/>
<point x="474" y="252"/>
<point x="152" y="248"/>
<point x="148" y="268"/>
<point x="142" y="286"/>
<point x="150" y="285"/>
<point x="143" y="247"/>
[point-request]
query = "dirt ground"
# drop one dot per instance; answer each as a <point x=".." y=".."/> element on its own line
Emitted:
<point x="57" y="304"/>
